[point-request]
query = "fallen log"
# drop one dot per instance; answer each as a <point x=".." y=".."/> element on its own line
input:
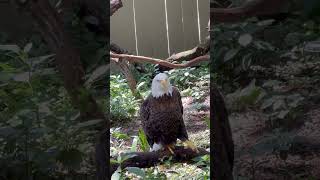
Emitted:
<point x="150" y="159"/>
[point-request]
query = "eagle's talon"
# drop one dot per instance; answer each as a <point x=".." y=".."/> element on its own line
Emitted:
<point x="170" y="148"/>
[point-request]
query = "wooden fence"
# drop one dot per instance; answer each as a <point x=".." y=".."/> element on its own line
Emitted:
<point x="159" y="28"/>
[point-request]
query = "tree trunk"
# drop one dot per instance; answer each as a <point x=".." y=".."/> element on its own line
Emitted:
<point x="49" y="24"/>
<point x="223" y="147"/>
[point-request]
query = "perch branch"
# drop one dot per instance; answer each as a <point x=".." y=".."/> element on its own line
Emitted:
<point x="149" y="159"/>
<point x="249" y="9"/>
<point x="132" y="58"/>
<point x="197" y="51"/>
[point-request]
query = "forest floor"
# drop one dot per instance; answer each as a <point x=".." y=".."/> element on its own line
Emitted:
<point x="198" y="132"/>
<point x="301" y="163"/>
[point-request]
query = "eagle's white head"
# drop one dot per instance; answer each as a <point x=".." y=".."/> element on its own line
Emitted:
<point x="161" y="85"/>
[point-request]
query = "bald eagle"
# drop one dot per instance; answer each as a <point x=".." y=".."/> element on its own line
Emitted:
<point x="161" y="115"/>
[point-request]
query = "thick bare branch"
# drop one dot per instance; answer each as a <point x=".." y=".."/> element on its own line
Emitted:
<point x="197" y="51"/>
<point x="251" y="8"/>
<point x="114" y="6"/>
<point x="149" y="159"/>
<point x="143" y="59"/>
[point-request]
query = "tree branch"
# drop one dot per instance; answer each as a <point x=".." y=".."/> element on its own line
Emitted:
<point x="149" y="159"/>
<point x="141" y="59"/>
<point x="114" y="6"/>
<point x="249" y="9"/>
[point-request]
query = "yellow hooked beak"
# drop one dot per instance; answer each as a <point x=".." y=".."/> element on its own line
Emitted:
<point x="164" y="84"/>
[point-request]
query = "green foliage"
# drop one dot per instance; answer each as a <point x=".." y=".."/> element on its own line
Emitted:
<point x="39" y="126"/>
<point x="272" y="54"/>
<point x="244" y="98"/>
<point x="123" y="105"/>
<point x="191" y="81"/>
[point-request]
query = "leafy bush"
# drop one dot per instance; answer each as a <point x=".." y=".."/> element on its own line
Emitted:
<point x="123" y="104"/>
<point x="191" y="81"/>
<point x="40" y="133"/>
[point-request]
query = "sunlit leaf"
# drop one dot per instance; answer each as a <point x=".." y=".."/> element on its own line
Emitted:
<point x="137" y="171"/>
<point x="134" y="144"/>
<point x="119" y="135"/>
<point x="27" y="48"/>
<point x="116" y="175"/>
<point x="140" y="85"/>
<point x="143" y="141"/>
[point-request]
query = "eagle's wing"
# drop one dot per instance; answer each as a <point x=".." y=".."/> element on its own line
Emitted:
<point x="183" y="135"/>
<point x="144" y="117"/>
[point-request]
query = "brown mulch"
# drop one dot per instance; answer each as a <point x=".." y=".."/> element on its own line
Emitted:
<point x="248" y="129"/>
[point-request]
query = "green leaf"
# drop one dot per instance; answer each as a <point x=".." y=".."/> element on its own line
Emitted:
<point x="143" y="141"/>
<point x="116" y="175"/>
<point x="279" y="104"/>
<point x="137" y="171"/>
<point x="207" y="120"/>
<point x="265" y="22"/>
<point x="122" y="158"/>
<point x="38" y="60"/>
<point x="245" y="39"/>
<point x="134" y="144"/>
<point x="88" y="123"/>
<point x="112" y="161"/>
<point x="140" y="85"/>
<point x="97" y="73"/>
<point x="13" y="48"/>
<point x="186" y="92"/>
<point x="282" y="114"/>
<point x="230" y="54"/>
<point x="119" y="135"/>
<point x="27" y="48"/>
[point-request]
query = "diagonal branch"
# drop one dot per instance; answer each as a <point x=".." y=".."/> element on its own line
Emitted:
<point x="143" y="59"/>
<point x="114" y="6"/>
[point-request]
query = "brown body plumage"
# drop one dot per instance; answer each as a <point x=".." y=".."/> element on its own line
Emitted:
<point x="162" y="119"/>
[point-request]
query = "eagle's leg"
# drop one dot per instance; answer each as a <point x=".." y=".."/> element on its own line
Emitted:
<point x="170" y="147"/>
<point x="190" y="145"/>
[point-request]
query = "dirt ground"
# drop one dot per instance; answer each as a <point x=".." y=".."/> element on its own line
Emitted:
<point x="248" y="128"/>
